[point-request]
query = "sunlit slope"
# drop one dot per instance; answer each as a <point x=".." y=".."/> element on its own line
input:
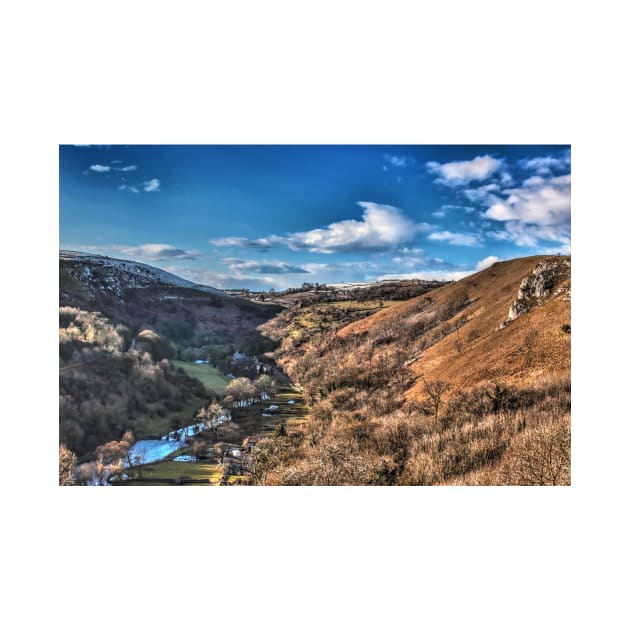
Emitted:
<point x="466" y="341"/>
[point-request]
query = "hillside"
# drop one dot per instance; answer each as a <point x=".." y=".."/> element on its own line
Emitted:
<point x="120" y="324"/>
<point x="136" y="294"/>
<point x="117" y="276"/>
<point x="473" y="346"/>
<point x="443" y="388"/>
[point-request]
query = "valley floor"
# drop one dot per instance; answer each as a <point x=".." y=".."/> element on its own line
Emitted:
<point x="224" y="461"/>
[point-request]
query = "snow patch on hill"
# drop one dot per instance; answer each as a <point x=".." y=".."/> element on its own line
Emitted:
<point x="116" y="274"/>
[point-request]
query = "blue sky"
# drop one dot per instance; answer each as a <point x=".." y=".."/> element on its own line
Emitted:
<point x="266" y="217"/>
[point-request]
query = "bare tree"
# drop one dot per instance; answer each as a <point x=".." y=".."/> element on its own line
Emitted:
<point x="541" y="457"/>
<point x="435" y="390"/>
<point x="67" y="463"/>
<point x="265" y="384"/>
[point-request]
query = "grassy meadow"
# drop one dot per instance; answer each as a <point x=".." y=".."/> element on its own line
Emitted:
<point x="213" y="380"/>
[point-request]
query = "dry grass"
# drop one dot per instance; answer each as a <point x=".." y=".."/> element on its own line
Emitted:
<point x="432" y="391"/>
<point x="529" y="348"/>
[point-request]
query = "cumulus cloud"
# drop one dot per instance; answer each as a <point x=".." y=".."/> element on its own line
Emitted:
<point x="482" y="194"/>
<point x="126" y="169"/>
<point x="487" y="262"/>
<point x="457" y="238"/>
<point x="526" y="235"/>
<point x="263" y="266"/>
<point x="538" y="209"/>
<point x="539" y="201"/>
<point x="458" y="173"/>
<point x="153" y="185"/>
<point x="381" y="228"/>
<point x="100" y="168"/>
<point x="544" y="165"/>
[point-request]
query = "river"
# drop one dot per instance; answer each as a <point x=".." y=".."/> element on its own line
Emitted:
<point x="148" y="451"/>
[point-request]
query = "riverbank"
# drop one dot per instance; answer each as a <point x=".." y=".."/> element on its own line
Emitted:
<point x="210" y="455"/>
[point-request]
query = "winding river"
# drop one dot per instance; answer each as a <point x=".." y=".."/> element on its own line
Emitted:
<point x="148" y="451"/>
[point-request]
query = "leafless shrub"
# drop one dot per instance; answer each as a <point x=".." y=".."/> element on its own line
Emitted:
<point x="540" y="457"/>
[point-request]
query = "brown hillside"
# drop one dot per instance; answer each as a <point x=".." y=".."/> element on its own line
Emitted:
<point x="467" y="384"/>
<point x="473" y="349"/>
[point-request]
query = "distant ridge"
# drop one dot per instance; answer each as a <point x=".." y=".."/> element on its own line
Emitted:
<point x="146" y="274"/>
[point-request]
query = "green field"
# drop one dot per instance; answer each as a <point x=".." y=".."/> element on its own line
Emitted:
<point x="177" y="470"/>
<point x="249" y="420"/>
<point x="213" y="380"/>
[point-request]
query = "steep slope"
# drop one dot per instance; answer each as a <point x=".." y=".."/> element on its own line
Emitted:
<point x="117" y="276"/>
<point x="475" y="345"/>
<point x="136" y="295"/>
<point x="119" y="324"/>
<point x="469" y="383"/>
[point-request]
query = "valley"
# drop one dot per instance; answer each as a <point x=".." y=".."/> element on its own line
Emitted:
<point x="163" y="382"/>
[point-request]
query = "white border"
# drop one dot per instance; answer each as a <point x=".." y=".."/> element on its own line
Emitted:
<point x="342" y="72"/>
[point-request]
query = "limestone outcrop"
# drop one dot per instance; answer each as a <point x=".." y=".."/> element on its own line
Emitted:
<point x="538" y="285"/>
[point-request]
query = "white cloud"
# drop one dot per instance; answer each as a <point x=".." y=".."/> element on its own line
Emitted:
<point x="128" y="187"/>
<point x="149" y="252"/>
<point x="546" y="164"/>
<point x="539" y="201"/>
<point x="382" y="228"/>
<point x="457" y="173"/>
<point x="153" y="185"/>
<point x="526" y="235"/>
<point x="486" y="262"/>
<point x="262" y="266"/>
<point x="483" y="194"/>
<point x="540" y="209"/>
<point x="399" y="161"/>
<point x="535" y="180"/>
<point x="261" y="244"/>
<point x="457" y="238"/>
<point x="506" y="179"/>
<point x="125" y="169"/>
<point x="100" y="168"/>
<point x="153" y="252"/>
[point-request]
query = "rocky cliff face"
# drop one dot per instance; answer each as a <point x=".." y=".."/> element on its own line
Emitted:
<point x="546" y="276"/>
